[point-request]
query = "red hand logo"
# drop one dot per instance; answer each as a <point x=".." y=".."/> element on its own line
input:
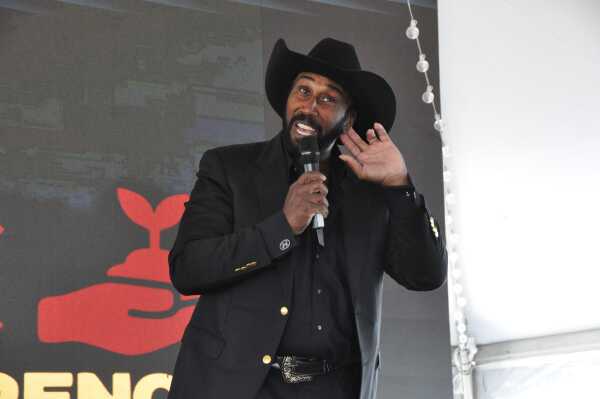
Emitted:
<point x="99" y="315"/>
<point x="125" y="318"/>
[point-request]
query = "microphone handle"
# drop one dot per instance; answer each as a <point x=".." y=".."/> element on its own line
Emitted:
<point x="318" y="221"/>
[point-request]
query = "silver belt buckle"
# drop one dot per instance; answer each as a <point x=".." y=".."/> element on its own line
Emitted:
<point x="288" y="371"/>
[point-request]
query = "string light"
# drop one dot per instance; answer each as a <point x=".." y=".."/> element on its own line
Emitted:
<point x="446" y="151"/>
<point x="438" y="124"/>
<point x="446" y="176"/>
<point x="412" y="32"/>
<point x="463" y="356"/>
<point x="422" y="64"/>
<point x="428" y="96"/>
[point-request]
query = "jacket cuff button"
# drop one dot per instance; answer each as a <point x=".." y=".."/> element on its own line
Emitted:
<point x="284" y="244"/>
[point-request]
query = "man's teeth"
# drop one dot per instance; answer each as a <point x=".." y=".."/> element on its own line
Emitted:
<point x="305" y="127"/>
<point x="304" y="130"/>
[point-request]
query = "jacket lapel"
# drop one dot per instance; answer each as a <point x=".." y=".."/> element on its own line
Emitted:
<point x="271" y="178"/>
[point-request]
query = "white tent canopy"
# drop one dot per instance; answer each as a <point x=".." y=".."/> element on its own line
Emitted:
<point x="519" y="96"/>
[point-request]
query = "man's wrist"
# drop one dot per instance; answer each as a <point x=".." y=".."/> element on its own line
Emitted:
<point x="294" y="230"/>
<point x="396" y="180"/>
<point x="403" y="199"/>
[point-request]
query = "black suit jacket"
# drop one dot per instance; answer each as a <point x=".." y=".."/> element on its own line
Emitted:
<point x="229" y="248"/>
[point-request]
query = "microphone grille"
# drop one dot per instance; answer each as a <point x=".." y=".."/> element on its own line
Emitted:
<point x="309" y="145"/>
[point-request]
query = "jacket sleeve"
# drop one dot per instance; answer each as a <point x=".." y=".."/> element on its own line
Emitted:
<point x="416" y="254"/>
<point x="208" y="254"/>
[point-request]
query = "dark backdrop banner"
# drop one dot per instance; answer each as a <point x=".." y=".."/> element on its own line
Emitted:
<point x="106" y="108"/>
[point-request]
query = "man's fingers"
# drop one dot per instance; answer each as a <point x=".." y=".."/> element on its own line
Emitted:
<point x="308" y="177"/>
<point x="310" y="208"/>
<point x="353" y="148"/>
<point x="322" y="210"/>
<point x="314" y="187"/>
<point x="318" y="199"/>
<point x="383" y="135"/>
<point x="356" y="139"/>
<point x="371" y="136"/>
<point x="353" y="164"/>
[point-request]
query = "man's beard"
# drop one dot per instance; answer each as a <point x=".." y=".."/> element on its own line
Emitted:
<point x="324" y="139"/>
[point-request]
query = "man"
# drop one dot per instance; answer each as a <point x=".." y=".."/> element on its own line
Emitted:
<point x="282" y="315"/>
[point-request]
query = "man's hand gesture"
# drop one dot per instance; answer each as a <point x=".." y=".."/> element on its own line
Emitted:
<point x="377" y="160"/>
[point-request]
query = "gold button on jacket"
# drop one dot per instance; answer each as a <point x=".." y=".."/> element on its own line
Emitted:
<point x="283" y="310"/>
<point x="266" y="359"/>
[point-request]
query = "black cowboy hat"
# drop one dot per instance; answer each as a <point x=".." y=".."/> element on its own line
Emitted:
<point x="372" y="96"/>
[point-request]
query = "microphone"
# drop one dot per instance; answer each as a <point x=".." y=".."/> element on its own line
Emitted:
<point x="309" y="156"/>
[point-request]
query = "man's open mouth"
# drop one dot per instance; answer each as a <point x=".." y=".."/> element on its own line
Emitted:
<point x="304" y="130"/>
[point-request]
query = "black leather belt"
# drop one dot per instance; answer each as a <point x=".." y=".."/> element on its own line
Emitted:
<point x="296" y="369"/>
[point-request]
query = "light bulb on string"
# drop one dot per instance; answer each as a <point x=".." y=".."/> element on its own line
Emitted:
<point x="451" y="248"/>
<point x="451" y="264"/>
<point x="428" y="96"/>
<point x="443" y="135"/>
<point x="458" y="288"/>
<point x="456" y="273"/>
<point x="454" y="265"/>
<point x="445" y="151"/>
<point x="459" y="317"/>
<point x="422" y="64"/>
<point x="453" y="257"/>
<point x="412" y="32"/>
<point x="439" y="123"/>
<point x="447" y="175"/>
<point x="450" y="199"/>
<point x="453" y="238"/>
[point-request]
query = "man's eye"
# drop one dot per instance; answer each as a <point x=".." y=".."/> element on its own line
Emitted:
<point x="303" y="90"/>
<point x="329" y="99"/>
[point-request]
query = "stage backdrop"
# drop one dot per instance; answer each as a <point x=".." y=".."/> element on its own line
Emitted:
<point x="106" y="108"/>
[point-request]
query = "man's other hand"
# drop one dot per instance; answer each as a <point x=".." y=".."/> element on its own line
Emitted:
<point x="305" y="198"/>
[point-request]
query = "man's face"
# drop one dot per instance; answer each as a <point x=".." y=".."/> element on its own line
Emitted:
<point x="317" y="105"/>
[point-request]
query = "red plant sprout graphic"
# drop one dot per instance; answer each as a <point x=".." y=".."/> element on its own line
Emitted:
<point x="129" y="319"/>
<point x="148" y="263"/>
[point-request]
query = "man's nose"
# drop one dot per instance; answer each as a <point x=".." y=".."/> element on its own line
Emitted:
<point x="310" y="107"/>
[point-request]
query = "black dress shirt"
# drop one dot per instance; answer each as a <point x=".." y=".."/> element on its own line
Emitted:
<point x="321" y="318"/>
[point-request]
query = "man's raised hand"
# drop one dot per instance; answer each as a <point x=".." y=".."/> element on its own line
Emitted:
<point x="377" y="160"/>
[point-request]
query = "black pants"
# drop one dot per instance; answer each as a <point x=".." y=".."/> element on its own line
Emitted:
<point x="340" y="384"/>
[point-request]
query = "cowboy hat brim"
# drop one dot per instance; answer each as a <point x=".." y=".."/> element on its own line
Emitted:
<point x="372" y="95"/>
